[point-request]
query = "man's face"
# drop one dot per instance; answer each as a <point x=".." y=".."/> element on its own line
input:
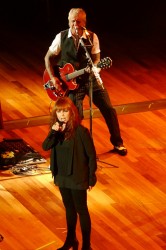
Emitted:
<point x="76" y="24"/>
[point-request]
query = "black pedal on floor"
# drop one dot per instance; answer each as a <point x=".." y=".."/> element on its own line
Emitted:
<point x="13" y="150"/>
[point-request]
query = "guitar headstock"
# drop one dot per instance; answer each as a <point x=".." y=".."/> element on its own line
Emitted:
<point x="105" y="63"/>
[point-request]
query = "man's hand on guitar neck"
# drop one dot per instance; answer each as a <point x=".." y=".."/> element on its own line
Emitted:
<point x="96" y="69"/>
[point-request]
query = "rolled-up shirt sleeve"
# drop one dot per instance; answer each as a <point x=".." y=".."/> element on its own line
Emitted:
<point x="55" y="47"/>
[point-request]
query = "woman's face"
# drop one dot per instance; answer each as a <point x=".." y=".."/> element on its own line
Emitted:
<point x="63" y="115"/>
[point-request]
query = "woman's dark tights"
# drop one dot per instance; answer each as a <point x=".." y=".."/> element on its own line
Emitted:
<point x="75" y="202"/>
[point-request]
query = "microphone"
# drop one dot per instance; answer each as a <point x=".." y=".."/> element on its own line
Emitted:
<point x="76" y="30"/>
<point x="60" y="123"/>
<point x="77" y="41"/>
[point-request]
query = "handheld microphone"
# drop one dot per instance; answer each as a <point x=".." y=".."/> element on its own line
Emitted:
<point x="60" y="123"/>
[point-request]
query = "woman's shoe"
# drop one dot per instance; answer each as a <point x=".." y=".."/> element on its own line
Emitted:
<point x="67" y="246"/>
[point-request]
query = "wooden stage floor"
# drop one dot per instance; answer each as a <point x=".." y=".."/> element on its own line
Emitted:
<point x="128" y="204"/>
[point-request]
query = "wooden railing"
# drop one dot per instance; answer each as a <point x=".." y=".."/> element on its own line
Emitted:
<point x="121" y="109"/>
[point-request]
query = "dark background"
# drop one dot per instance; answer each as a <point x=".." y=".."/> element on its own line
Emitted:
<point x="129" y="18"/>
<point x="123" y="27"/>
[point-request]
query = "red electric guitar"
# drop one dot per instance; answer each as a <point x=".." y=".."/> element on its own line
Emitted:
<point x="67" y="76"/>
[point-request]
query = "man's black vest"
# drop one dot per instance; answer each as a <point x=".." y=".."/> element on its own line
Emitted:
<point x="70" y="54"/>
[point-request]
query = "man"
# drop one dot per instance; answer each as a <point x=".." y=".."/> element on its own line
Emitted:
<point x="81" y="49"/>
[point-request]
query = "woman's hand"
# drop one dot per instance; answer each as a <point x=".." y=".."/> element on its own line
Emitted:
<point x="59" y="126"/>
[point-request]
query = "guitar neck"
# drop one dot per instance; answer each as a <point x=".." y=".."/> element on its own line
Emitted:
<point x="104" y="63"/>
<point x="75" y="74"/>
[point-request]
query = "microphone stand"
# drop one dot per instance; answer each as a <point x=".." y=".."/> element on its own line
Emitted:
<point x="90" y="64"/>
<point x="98" y="79"/>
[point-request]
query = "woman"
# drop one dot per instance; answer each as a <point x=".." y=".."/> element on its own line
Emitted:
<point x="73" y="165"/>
